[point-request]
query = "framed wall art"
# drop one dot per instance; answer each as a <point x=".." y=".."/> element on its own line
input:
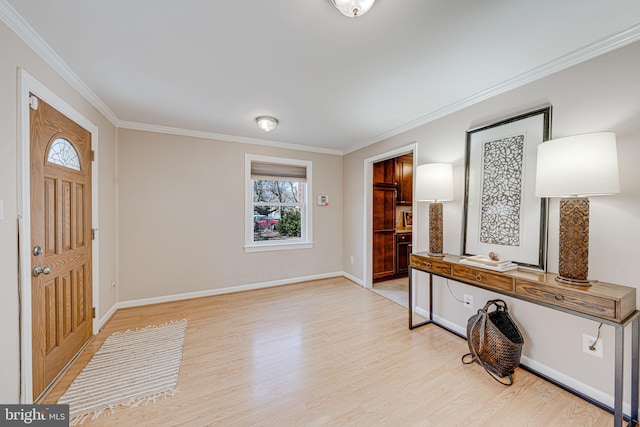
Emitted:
<point x="407" y="218"/>
<point x="501" y="213"/>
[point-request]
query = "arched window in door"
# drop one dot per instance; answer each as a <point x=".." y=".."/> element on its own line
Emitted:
<point x="63" y="153"/>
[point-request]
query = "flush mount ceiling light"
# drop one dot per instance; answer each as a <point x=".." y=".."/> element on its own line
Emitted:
<point x="353" y="8"/>
<point x="267" y="123"/>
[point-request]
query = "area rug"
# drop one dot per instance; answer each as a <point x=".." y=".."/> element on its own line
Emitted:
<point x="131" y="368"/>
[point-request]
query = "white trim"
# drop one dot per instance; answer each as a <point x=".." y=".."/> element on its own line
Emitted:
<point x="227" y="290"/>
<point x="354" y="279"/>
<point x="590" y="51"/>
<point x="560" y="377"/>
<point x="277" y="246"/>
<point x="412" y="148"/>
<point x="104" y="319"/>
<point x="306" y="240"/>
<point x="575" y="384"/>
<point x="27" y="84"/>
<point x="22" y="28"/>
<point x="606" y="44"/>
<point x="222" y="137"/>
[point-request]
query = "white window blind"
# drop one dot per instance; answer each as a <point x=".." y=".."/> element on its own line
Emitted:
<point x="277" y="171"/>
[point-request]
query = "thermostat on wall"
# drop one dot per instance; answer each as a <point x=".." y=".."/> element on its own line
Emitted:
<point x="323" y="200"/>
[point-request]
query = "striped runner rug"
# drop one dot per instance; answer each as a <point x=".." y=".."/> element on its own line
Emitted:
<point x="131" y="368"/>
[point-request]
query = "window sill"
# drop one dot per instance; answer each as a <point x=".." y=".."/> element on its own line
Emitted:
<point x="265" y="247"/>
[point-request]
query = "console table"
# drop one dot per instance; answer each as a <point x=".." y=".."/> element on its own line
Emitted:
<point x="610" y="304"/>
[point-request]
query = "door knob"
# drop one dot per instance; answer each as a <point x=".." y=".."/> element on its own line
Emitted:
<point x="37" y="250"/>
<point x="39" y="270"/>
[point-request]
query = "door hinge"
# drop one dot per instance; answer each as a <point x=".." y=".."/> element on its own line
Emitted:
<point x="33" y="102"/>
<point x="93" y="156"/>
<point x="93" y="312"/>
<point x="93" y="233"/>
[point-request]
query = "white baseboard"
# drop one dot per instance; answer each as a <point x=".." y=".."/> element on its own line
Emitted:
<point x="104" y="319"/>
<point x="220" y="291"/>
<point x="569" y="382"/>
<point x="353" y="279"/>
<point x="574" y="384"/>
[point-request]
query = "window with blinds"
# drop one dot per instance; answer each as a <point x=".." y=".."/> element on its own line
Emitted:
<point x="277" y="212"/>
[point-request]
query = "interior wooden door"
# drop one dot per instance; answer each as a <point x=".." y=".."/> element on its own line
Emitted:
<point x="60" y="241"/>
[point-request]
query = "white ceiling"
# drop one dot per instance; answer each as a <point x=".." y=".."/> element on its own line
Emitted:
<point x="335" y="83"/>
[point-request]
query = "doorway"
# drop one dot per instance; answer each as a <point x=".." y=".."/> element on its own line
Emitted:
<point x="389" y="233"/>
<point x="62" y="318"/>
<point x="57" y="305"/>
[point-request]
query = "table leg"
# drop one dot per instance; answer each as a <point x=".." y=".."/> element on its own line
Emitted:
<point x="410" y="297"/>
<point x="619" y="371"/>
<point x="635" y="336"/>
<point x="430" y="297"/>
<point x="426" y="322"/>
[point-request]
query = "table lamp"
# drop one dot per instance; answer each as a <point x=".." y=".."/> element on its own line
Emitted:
<point x="434" y="183"/>
<point x="574" y="168"/>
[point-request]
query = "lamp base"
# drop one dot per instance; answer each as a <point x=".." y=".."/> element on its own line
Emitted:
<point x="573" y="282"/>
<point x="573" y="260"/>
<point x="435" y="229"/>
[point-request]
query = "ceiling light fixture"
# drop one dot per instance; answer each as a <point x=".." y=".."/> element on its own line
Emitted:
<point x="267" y="123"/>
<point x="353" y="8"/>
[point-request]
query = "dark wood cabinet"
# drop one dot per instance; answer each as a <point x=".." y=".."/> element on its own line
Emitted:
<point x="384" y="173"/>
<point x="403" y="252"/>
<point x="392" y="186"/>
<point x="384" y="245"/>
<point x="404" y="180"/>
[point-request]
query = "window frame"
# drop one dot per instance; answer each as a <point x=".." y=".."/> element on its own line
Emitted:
<point x="305" y="241"/>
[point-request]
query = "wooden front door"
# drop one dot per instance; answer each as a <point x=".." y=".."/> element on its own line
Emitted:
<point x="60" y="241"/>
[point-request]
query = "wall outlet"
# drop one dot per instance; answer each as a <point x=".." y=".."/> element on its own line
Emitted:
<point x="468" y="301"/>
<point x="587" y="341"/>
<point x="352" y="259"/>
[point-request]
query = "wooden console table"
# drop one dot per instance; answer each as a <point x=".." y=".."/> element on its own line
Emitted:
<point x="610" y="304"/>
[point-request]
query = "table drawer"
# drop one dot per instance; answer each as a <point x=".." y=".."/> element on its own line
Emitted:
<point x="439" y="267"/>
<point x="568" y="298"/>
<point x="483" y="277"/>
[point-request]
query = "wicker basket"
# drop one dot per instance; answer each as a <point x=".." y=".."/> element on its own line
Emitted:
<point x="494" y="341"/>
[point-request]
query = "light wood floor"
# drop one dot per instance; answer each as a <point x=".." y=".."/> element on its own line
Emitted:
<point x="327" y="353"/>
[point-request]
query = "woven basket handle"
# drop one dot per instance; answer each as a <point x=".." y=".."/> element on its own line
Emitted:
<point x="500" y="306"/>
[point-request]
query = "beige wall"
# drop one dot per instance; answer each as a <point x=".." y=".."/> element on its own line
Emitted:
<point x="181" y="217"/>
<point x="599" y="95"/>
<point x="180" y="208"/>
<point x="15" y="54"/>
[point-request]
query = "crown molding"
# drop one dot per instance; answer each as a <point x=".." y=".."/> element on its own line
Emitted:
<point x="19" y="26"/>
<point x="607" y="44"/>
<point x="14" y="21"/>
<point x="595" y="49"/>
<point x="221" y="137"/>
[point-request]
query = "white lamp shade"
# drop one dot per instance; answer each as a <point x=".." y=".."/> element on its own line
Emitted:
<point x="580" y="165"/>
<point x="434" y="182"/>
<point x="353" y="8"/>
